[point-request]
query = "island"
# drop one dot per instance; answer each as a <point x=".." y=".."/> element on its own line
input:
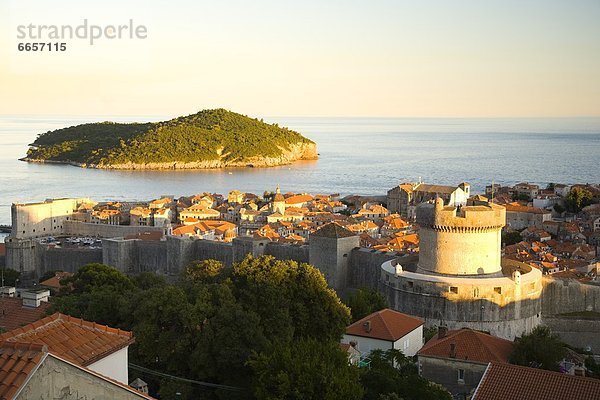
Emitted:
<point x="208" y="139"/>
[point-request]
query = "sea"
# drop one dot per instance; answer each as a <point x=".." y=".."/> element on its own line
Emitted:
<point x="356" y="156"/>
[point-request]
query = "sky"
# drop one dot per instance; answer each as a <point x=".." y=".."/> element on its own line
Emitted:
<point x="309" y="58"/>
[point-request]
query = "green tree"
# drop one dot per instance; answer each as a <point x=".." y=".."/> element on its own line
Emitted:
<point x="392" y="375"/>
<point x="165" y="329"/>
<point x="559" y="209"/>
<point x="364" y="302"/>
<point x="203" y="271"/>
<point x="511" y="238"/>
<point x="100" y="294"/>
<point x="10" y="276"/>
<point x="148" y="280"/>
<point x="290" y="298"/>
<point x="578" y="198"/>
<point x="304" y="369"/>
<point x="225" y="343"/>
<point x="522" y="197"/>
<point x="539" y="349"/>
<point x="92" y="276"/>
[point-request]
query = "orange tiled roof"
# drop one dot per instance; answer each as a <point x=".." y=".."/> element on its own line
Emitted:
<point x="54" y="282"/>
<point x="152" y="235"/>
<point x="514" y="382"/>
<point x="469" y="345"/>
<point x="13" y="314"/>
<point x="297" y="199"/>
<point x="525" y="209"/>
<point x="17" y="361"/>
<point x="386" y="324"/>
<point x="79" y="341"/>
<point x="333" y="230"/>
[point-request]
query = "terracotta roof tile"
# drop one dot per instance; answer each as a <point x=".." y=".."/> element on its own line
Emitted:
<point x="513" y="382"/>
<point x="13" y="314"/>
<point x="469" y="345"/>
<point x="17" y="361"/>
<point x="54" y="282"/>
<point x="333" y="230"/>
<point x="386" y="324"/>
<point x="74" y="339"/>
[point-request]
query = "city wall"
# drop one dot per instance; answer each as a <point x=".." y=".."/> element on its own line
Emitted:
<point x="77" y="228"/>
<point x="576" y="332"/>
<point x="563" y="296"/>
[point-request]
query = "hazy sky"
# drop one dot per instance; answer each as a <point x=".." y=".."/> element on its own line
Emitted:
<point x="310" y="58"/>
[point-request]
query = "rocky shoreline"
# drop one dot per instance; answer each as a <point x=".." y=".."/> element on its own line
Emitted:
<point x="296" y="152"/>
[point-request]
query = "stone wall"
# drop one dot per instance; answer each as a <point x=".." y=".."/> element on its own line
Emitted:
<point x="364" y="268"/>
<point x="331" y="256"/>
<point x="220" y="251"/>
<point x="56" y="379"/>
<point x="562" y="296"/>
<point x="151" y="256"/>
<point x="445" y="373"/>
<point x="288" y="252"/>
<point x="69" y="260"/>
<point x="579" y="333"/>
<point x="77" y="228"/>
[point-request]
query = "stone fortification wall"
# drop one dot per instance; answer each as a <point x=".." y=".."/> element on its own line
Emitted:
<point x="506" y="307"/>
<point x="151" y="256"/>
<point x="77" y="228"/>
<point x="288" y="252"/>
<point x="563" y="296"/>
<point x="364" y="267"/>
<point x="64" y="259"/>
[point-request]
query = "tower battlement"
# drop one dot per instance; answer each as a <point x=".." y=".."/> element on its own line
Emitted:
<point x="462" y="240"/>
<point x="475" y="217"/>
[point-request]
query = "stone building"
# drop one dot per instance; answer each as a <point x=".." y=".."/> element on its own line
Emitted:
<point x="459" y="279"/>
<point x="278" y="205"/>
<point x="96" y="347"/>
<point x="329" y="251"/>
<point x="520" y="217"/>
<point x="32" y="371"/>
<point x="457" y="359"/>
<point x="404" y="198"/>
<point x="384" y="330"/>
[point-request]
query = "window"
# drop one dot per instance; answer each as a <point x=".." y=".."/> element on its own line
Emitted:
<point x="410" y="284"/>
<point x="406" y="344"/>
<point x="461" y="375"/>
<point x="498" y="289"/>
<point x="476" y="292"/>
<point x="454" y="289"/>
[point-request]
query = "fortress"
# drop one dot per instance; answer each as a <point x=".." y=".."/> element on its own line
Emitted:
<point x="459" y="278"/>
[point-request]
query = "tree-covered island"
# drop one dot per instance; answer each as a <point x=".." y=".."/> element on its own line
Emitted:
<point x="208" y="139"/>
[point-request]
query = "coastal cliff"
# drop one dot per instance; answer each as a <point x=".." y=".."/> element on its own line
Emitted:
<point x="296" y="152"/>
<point x="208" y="139"/>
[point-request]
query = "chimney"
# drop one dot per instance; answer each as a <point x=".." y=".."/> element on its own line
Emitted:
<point x="442" y="331"/>
<point x="367" y="326"/>
<point x="452" y="350"/>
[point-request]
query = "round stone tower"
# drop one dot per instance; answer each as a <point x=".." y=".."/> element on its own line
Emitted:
<point x="460" y="240"/>
<point x="459" y="278"/>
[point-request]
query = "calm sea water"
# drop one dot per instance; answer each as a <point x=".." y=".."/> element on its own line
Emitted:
<point x="357" y="155"/>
